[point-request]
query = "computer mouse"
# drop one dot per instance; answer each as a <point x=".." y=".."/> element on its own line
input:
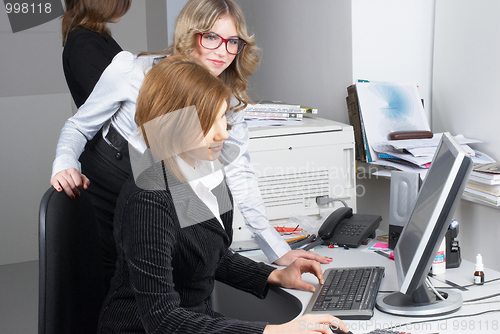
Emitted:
<point x="337" y="330"/>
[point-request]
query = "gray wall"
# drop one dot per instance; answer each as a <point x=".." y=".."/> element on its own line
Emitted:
<point x="34" y="104"/>
<point x="306" y="57"/>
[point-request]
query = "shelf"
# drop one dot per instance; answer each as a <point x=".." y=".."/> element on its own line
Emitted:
<point x="363" y="171"/>
<point x="475" y="200"/>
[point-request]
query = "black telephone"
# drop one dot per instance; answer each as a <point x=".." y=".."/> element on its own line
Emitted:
<point x="344" y="228"/>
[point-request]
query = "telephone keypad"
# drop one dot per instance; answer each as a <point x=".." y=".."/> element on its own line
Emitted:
<point x="352" y="229"/>
<point x="348" y="231"/>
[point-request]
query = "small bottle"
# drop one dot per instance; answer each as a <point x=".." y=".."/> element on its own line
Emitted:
<point x="479" y="274"/>
<point x="439" y="264"/>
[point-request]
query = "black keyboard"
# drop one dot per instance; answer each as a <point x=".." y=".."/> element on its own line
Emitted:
<point x="348" y="293"/>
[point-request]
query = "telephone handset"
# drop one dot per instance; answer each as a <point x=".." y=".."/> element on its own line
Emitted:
<point x="328" y="227"/>
<point x="344" y="228"/>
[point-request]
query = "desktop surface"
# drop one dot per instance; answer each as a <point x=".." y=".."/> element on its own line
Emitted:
<point x="460" y="321"/>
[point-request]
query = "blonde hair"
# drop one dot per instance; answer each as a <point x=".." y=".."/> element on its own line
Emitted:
<point x="91" y="14"/>
<point x="171" y="91"/>
<point x="200" y="16"/>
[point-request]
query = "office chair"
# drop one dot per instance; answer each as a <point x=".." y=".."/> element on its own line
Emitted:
<point x="71" y="276"/>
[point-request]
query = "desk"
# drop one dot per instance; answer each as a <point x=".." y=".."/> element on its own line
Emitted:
<point x="286" y="304"/>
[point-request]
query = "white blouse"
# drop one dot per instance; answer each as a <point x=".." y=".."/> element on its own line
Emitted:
<point x="113" y="102"/>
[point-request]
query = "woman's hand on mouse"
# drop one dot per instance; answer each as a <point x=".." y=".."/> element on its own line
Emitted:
<point x="308" y="324"/>
<point x="71" y="181"/>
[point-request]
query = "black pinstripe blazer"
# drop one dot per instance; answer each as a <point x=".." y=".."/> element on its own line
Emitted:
<point x="165" y="273"/>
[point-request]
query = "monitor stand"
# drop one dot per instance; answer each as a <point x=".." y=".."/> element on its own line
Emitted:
<point x="422" y="303"/>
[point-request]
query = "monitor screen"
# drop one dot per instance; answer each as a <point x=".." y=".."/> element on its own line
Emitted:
<point x="431" y="216"/>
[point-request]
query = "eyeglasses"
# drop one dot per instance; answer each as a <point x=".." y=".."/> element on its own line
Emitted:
<point x="211" y="41"/>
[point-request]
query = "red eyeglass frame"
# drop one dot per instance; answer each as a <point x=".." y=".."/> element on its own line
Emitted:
<point x="223" y="40"/>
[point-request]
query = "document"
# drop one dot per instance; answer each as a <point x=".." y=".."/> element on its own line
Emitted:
<point x="387" y="107"/>
<point x="417" y="151"/>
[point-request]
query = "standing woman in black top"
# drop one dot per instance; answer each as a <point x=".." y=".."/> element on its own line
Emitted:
<point x="88" y="50"/>
<point x="88" y="45"/>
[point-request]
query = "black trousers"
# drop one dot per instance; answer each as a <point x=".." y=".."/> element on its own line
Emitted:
<point x="107" y="168"/>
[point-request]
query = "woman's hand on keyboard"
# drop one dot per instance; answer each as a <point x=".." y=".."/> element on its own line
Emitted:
<point x="295" y="254"/>
<point x="291" y="276"/>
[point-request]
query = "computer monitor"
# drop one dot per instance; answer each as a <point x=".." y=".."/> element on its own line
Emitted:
<point x="425" y="229"/>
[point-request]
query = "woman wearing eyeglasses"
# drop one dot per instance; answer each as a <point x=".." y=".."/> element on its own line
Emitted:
<point x="173" y="219"/>
<point x="215" y="33"/>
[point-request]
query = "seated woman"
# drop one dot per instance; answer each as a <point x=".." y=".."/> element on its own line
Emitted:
<point x="173" y="218"/>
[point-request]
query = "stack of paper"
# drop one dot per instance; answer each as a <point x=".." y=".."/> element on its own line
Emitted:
<point x="277" y="110"/>
<point x="414" y="154"/>
<point x="484" y="184"/>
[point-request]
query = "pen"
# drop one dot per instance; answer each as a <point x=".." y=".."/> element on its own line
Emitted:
<point x="297" y="238"/>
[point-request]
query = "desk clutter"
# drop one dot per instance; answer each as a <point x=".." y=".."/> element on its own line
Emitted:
<point x="267" y="113"/>
<point x="391" y="131"/>
<point x="414" y="154"/>
<point x="341" y="228"/>
<point x="391" y="128"/>
<point x="377" y="109"/>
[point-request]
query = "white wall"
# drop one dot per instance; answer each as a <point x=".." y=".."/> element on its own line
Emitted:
<point x="466" y="100"/>
<point x="34" y="104"/>
<point x="392" y="40"/>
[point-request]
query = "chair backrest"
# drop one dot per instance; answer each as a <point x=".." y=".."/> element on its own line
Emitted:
<point x="71" y="276"/>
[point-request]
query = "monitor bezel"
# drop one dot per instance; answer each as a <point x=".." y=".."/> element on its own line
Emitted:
<point x="437" y="226"/>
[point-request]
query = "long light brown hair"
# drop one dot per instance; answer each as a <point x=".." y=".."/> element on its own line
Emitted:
<point x="200" y="16"/>
<point x="91" y="14"/>
<point x="171" y="91"/>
